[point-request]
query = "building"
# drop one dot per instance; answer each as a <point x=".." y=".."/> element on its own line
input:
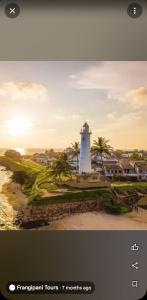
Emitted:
<point x="127" y="170"/>
<point x="44" y="159"/>
<point x="113" y="170"/>
<point x="141" y="169"/>
<point x="85" y="148"/>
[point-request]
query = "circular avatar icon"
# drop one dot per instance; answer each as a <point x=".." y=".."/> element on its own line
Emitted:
<point x="11" y="287"/>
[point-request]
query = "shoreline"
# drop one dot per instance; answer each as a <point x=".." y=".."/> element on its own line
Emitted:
<point x="100" y="221"/>
<point x="86" y="220"/>
<point x="7" y="212"/>
<point x="16" y="198"/>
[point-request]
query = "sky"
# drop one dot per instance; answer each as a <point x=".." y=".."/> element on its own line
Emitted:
<point x="44" y="104"/>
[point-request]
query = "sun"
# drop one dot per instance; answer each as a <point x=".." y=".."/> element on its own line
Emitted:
<point x="19" y="126"/>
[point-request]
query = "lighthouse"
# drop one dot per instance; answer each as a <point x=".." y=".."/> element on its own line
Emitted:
<point x="85" y="157"/>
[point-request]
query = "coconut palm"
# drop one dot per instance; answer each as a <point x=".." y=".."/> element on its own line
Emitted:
<point x="75" y="151"/>
<point x="100" y="148"/>
<point x="62" y="166"/>
<point x="51" y="153"/>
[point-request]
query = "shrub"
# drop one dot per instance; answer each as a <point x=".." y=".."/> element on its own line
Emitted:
<point x="117" y="209"/>
<point x="20" y="176"/>
<point x="143" y="202"/>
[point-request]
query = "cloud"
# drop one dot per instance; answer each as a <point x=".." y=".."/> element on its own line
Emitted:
<point x="116" y="121"/>
<point x="22" y="91"/>
<point x="75" y="116"/>
<point x="122" y="81"/>
<point x="112" y="76"/>
<point x="65" y="117"/>
<point x="136" y="98"/>
<point x="60" y="117"/>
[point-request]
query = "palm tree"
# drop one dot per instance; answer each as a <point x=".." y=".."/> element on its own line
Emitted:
<point x="62" y="166"/>
<point x="75" y="151"/>
<point x="100" y="148"/>
<point x="50" y="153"/>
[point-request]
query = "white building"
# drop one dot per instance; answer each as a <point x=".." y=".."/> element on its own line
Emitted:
<point x="85" y="154"/>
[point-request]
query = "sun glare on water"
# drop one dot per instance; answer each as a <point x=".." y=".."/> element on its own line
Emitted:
<point x="19" y="126"/>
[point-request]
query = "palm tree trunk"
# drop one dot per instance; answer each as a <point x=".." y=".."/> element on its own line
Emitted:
<point x="77" y="163"/>
<point x="102" y="165"/>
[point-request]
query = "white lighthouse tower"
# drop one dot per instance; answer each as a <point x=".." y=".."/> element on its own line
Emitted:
<point x="85" y="157"/>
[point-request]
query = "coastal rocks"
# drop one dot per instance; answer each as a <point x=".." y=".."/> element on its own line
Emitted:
<point x="7" y="215"/>
<point x="36" y="216"/>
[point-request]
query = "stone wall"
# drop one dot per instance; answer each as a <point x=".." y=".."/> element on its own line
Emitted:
<point x="36" y="216"/>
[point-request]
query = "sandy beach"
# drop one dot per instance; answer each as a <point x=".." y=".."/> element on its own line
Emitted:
<point x="7" y="213"/>
<point x="101" y="221"/>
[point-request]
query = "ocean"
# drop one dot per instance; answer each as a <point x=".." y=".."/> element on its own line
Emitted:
<point x="28" y="151"/>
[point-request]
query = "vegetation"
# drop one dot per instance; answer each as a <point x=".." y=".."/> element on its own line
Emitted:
<point x="50" y="153"/>
<point x="100" y="195"/>
<point x="75" y="152"/>
<point x="10" y="164"/>
<point x="35" y="178"/>
<point x="135" y="156"/>
<point x="24" y="172"/>
<point x="13" y="154"/>
<point x="119" y="153"/>
<point x="130" y="188"/>
<point x="62" y="166"/>
<point x="29" y="164"/>
<point x="101" y="148"/>
<point x="117" y="209"/>
<point x="143" y="202"/>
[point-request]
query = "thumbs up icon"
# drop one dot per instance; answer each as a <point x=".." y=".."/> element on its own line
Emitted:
<point x="135" y="247"/>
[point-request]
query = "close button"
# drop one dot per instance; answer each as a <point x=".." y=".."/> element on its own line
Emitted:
<point x="12" y="10"/>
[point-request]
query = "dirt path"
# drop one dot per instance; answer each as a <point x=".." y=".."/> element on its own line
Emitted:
<point x="101" y="221"/>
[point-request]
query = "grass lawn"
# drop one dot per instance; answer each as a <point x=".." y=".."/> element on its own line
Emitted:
<point x="29" y="164"/>
<point x="10" y="164"/>
<point x="50" y="187"/>
<point x="100" y="195"/>
<point x="130" y="187"/>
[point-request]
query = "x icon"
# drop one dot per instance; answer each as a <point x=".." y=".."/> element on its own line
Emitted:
<point x="12" y="10"/>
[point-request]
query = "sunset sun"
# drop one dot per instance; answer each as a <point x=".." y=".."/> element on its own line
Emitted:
<point x="19" y="126"/>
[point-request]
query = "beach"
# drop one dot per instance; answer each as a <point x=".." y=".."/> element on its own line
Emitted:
<point x="7" y="213"/>
<point x="101" y="221"/>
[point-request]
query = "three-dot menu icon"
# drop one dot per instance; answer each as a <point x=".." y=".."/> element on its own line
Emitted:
<point x="134" y="10"/>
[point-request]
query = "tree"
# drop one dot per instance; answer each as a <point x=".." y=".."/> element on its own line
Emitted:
<point x="51" y="153"/>
<point x="20" y="176"/>
<point x="75" y="151"/>
<point x="118" y="153"/>
<point x="100" y="148"/>
<point x="135" y="156"/>
<point x="62" y="166"/>
<point x="13" y="154"/>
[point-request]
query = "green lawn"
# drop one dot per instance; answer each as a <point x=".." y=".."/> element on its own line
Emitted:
<point x="100" y="195"/>
<point x="10" y="164"/>
<point x="50" y="187"/>
<point x="33" y="165"/>
<point x="130" y="188"/>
